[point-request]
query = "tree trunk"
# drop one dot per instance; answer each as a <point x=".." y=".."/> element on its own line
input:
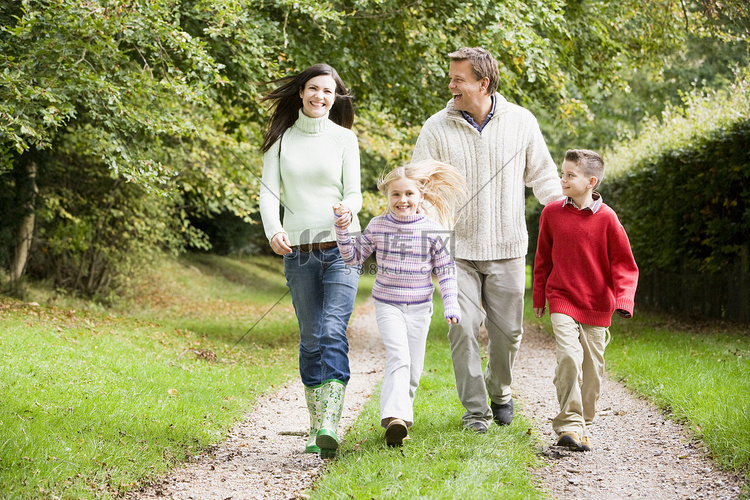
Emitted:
<point x="27" y="191"/>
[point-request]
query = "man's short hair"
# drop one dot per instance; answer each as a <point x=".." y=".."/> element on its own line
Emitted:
<point x="482" y="63"/>
<point x="588" y="161"/>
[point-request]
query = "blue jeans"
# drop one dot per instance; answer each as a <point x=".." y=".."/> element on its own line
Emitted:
<point x="323" y="291"/>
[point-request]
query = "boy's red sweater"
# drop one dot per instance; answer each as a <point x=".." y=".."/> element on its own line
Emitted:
<point x="584" y="266"/>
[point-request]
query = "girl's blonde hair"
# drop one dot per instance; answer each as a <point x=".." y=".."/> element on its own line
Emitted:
<point x="442" y="186"/>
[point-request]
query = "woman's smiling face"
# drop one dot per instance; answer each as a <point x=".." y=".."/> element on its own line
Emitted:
<point x="318" y="96"/>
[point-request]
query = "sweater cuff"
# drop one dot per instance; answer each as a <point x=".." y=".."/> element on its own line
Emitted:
<point x="625" y="303"/>
<point x="539" y="300"/>
<point x="452" y="311"/>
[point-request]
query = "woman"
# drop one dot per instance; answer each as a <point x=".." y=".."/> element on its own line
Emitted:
<point x="311" y="162"/>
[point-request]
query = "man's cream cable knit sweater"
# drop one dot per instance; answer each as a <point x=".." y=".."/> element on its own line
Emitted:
<point x="498" y="163"/>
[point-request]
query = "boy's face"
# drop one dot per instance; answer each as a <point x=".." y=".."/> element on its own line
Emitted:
<point x="574" y="182"/>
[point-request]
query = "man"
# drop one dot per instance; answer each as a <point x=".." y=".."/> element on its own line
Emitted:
<point x="499" y="148"/>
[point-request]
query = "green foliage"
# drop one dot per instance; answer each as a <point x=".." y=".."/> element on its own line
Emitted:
<point x="163" y="96"/>
<point x="687" y="180"/>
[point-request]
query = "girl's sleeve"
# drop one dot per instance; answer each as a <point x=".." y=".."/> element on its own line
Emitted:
<point x="351" y="177"/>
<point x="354" y="251"/>
<point x="445" y="269"/>
<point x="542" y="263"/>
<point x="270" y="192"/>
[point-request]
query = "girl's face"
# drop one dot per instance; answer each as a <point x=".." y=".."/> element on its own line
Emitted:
<point x="404" y="197"/>
<point x="318" y="96"/>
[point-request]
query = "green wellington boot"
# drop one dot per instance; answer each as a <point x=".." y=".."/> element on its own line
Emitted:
<point x="333" y="403"/>
<point x="314" y="397"/>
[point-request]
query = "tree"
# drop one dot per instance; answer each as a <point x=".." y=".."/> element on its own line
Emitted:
<point x="157" y="101"/>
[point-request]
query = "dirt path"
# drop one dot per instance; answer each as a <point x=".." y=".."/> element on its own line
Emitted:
<point x="262" y="457"/>
<point x="637" y="453"/>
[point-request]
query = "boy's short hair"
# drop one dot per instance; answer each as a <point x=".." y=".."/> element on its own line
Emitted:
<point x="590" y="162"/>
<point x="482" y="63"/>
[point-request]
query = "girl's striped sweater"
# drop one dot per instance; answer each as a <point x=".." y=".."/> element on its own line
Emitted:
<point x="407" y="251"/>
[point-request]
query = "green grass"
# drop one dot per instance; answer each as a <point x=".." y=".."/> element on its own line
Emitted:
<point x="699" y="373"/>
<point x="702" y="377"/>
<point x="98" y="401"/>
<point x="95" y="403"/>
<point x="441" y="461"/>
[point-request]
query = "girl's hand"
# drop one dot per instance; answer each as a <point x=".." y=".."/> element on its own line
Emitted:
<point x="452" y="320"/>
<point x="343" y="215"/>
<point x="539" y="311"/>
<point x="280" y="243"/>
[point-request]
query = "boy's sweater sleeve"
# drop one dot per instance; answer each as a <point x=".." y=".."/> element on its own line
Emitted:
<point x="354" y="251"/>
<point x="542" y="263"/>
<point x="624" y="268"/>
<point x="445" y="269"/>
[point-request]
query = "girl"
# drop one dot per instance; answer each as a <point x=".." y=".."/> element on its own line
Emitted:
<point x="409" y="246"/>
<point x="312" y="161"/>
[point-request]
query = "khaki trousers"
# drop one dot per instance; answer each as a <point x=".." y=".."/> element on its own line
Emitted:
<point x="489" y="292"/>
<point x="579" y="372"/>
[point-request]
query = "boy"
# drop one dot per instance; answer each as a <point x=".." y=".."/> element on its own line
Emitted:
<point x="584" y="269"/>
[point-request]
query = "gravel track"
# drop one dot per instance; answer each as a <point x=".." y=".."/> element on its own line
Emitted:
<point x="637" y="453"/>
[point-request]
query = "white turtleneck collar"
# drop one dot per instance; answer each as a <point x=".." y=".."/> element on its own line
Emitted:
<point x="312" y="125"/>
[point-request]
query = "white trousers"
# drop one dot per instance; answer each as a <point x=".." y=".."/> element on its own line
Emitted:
<point x="403" y="328"/>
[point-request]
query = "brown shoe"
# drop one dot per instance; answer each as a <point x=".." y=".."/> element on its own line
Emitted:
<point x="395" y="432"/>
<point x="586" y="443"/>
<point x="571" y="440"/>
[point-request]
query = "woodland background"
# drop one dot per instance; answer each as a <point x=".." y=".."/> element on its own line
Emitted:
<point x="132" y="128"/>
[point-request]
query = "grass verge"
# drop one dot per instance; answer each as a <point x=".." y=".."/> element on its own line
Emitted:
<point x="96" y="403"/>
<point x="441" y="461"/>
<point x="698" y="372"/>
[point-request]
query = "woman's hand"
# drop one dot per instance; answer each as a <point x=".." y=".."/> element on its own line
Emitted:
<point x="344" y="215"/>
<point x="280" y="243"/>
<point x="539" y="311"/>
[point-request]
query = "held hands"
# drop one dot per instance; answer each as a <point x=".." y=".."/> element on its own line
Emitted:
<point x="539" y="311"/>
<point x="344" y="215"/>
<point x="280" y="243"/>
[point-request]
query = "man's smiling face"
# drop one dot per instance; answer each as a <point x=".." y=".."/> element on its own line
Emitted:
<point x="469" y="94"/>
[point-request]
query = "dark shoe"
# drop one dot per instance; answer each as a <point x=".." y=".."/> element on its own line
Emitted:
<point x="478" y="427"/>
<point x="502" y="414"/>
<point x="396" y="432"/>
<point x="570" y="440"/>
